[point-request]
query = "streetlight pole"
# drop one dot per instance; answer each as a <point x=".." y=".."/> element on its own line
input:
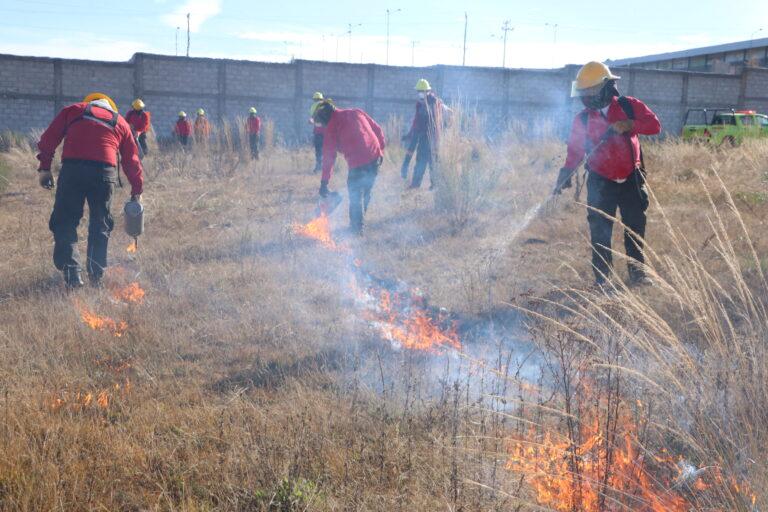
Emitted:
<point x="554" y="40"/>
<point x="349" y="32"/>
<point x="413" y="53"/>
<point x="389" y="12"/>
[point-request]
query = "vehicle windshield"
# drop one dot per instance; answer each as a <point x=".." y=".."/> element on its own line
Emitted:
<point x="721" y="119"/>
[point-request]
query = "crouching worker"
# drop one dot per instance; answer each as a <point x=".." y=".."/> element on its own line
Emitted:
<point x="606" y="133"/>
<point x="361" y="141"/>
<point x="93" y="134"/>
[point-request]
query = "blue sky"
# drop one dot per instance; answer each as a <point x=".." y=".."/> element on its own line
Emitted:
<point x="545" y="33"/>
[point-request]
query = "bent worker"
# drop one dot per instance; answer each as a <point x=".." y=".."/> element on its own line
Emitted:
<point x="317" y="135"/>
<point x="253" y="127"/>
<point x="182" y="129"/>
<point x="606" y="133"/>
<point x="93" y="134"/>
<point x="139" y="120"/>
<point x="353" y="133"/>
<point x="424" y="135"/>
<point x="202" y="127"/>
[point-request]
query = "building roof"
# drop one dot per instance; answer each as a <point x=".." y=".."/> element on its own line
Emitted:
<point x="695" y="52"/>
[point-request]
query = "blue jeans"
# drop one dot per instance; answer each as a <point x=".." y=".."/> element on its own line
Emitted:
<point x="360" y="182"/>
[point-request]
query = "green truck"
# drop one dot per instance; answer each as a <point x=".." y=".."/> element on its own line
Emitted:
<point x="723" y="126"/>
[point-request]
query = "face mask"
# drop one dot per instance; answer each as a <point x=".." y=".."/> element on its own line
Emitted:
<point x="422" y="95"/>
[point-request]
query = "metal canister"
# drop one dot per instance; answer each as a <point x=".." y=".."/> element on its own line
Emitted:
<point x="134" y="218"/>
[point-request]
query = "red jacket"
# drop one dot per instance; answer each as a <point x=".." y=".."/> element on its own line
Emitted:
<point x="428" y="119"/>
<point x="619" y="155"/>
<point x="356" y="135"/>
<point x="183" y="127"/>
<point x="139" y="120"/>
<point x="318" y="129"/>
<point x="87" y="139"/>
<point x="253" y="125"/>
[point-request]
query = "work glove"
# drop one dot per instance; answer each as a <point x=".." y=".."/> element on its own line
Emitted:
<point x="623" y="126"/>
<point x="324" y="188"/>
<point x="45" y="178"/>
<point x="563" y="180"/>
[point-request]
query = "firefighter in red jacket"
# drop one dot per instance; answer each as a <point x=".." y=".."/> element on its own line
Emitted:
<point x="424" y="135"/>
<point x="182" y="129"/>
<point x="139" y="120"/>
<point x="318" y="132"/>
<point x="253" y="127"/>
<point x="93" y="133"/>
<point x="606" y="133"/>
<point x="353" y="133"/>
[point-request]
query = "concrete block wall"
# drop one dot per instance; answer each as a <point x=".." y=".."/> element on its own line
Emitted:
<point x="33" y="89"/>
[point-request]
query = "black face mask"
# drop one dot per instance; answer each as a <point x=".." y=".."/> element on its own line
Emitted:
<point x="603" y="98"/>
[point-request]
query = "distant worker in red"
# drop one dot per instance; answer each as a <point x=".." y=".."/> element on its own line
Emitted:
<point x="353" y="133"/>
<point x="606" y="133"/>
<point x="182" y="129"/>
<point x="139" y="120"/>
<point x="202" y="127"/>
<point x="93" y="134"/>
<point x="253" y="127"/>
<point x="424" y="135"/>
<point x="317" y="135"/>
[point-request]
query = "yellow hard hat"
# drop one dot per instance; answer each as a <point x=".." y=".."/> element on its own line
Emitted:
<point x="137" y="104"/>
<point x="317" y="96"/>
<point x="100" y="96"/>
<point x="592" y="75"/>
<point x="422" y="85"/>
<point x="200" y="112"/>
<point x="252" y="110"/>
<point x="182" y="114"/>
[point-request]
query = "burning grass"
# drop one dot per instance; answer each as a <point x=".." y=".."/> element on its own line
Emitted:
<point x="651" y="400"/>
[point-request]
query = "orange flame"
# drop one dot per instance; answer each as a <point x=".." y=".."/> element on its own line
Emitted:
<point x="132" y="247"/>
<point x="318" y="229"/>
<point x="101" y="323"/>
<point x="133" y="293"/>
<point x="82" y="400"/>
<point x="593" y="475"/>
<point x="412" y="327"/>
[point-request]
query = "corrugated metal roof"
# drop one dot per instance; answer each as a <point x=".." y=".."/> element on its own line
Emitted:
<point x="695" y="52"/>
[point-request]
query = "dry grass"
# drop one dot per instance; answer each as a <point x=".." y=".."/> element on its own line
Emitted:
<point x="255" y="386"/>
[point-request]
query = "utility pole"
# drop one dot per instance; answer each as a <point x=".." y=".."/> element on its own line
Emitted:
<point x="505" y="27"/>
<point x="554" y="40"/>
<point x="413" y="53"/>
<point x="349" y="32"/>
<point x="187" y="34"/>
<point x="464" y="54"/>
<point x="388" y="14"/>
<point x="177" y="40"/>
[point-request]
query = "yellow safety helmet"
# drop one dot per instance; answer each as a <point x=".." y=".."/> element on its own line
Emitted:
<point x="100" y="96"/>
<point x="137" y="104"/>
<point x="182" y="114"/>
<point x="422" y="85"/>
<point x="252" y="110"/>
<point x="200" y="112"/>
<point x="318" y="96"/>
<point x="590" y="77"/>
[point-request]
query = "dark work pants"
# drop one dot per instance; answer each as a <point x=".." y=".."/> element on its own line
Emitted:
<point x="142" y="142"/>
<point x="253" y="141"/>
<point x="631" y="199"/>
<point x="425" y="156"/>
<point x="80" y="182"/>
<point x="317" y="140"/>
<point x="360" y="182"/>
<point x="183" y="139"/>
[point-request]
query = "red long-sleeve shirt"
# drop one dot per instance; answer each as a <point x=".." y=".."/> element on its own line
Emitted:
<point x="139" y="120"/>
<point x="87" y="139"/>
<point x="619" y="155"/>
<point x="355" y="135"/>
<point x="183" y="127"/>
<point x="253" y="125"/>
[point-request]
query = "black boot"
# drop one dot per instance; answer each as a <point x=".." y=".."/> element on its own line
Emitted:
<point x="95" y="281"/>
<point x="638" y="276"/>
<point x="72" y="277"/>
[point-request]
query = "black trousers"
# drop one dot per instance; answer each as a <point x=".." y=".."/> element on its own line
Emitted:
<point x="80" y="182"/>
<point x="142" y="142"/>
<point x="426" y="155"/>
<point x="631" y="199"/>
<point x="253" y="141"/>
<point x="183" y="139"/>
<point x="360" y="182"/>
<point x="317" y="141"/>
